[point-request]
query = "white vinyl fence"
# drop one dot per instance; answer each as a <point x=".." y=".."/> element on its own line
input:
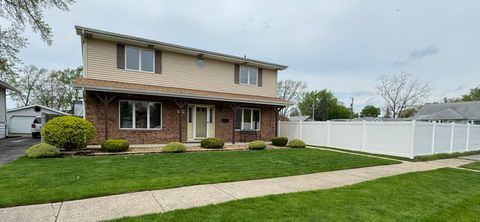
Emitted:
<point x="402" y="138"/>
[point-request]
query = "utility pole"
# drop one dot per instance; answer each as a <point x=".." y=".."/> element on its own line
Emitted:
<point x="351" y="108"/>
<point x="313" y="110"/>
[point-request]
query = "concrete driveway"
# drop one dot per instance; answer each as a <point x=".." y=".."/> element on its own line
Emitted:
<point x="12" y="148"/>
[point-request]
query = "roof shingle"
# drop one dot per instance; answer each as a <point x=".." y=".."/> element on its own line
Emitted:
<point x="121" y="87"/>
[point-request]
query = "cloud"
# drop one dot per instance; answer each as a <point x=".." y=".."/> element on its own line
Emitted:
<point x="417" y="54"/>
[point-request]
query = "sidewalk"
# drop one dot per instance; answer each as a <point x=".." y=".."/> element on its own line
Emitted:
<point x="157" y="201"/>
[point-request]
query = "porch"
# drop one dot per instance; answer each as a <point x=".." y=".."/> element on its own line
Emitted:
<point x="146" y="119"/>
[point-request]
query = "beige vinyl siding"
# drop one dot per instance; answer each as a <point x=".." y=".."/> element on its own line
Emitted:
<point x="178" y="70"/>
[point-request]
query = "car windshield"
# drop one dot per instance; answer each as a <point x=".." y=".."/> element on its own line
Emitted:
<point x="37" y="120"/>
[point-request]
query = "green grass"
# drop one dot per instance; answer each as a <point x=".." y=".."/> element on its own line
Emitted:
<point x="440" y="195"/>
<point x="30" y="181"/>
<point x="473" y="166"/>
<point x="364" y="153"/>
<point x="415" y="159"/>
<point x="445" y="155"/>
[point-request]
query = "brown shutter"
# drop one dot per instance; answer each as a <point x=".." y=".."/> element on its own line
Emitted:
<point x="158" y="62"/>
<point x="260" y="76"/>
<point x="120" y="56"/>
<point x="237" y="74"/>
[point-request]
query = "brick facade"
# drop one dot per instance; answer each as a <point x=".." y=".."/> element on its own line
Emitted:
<point x="170" y="120"/>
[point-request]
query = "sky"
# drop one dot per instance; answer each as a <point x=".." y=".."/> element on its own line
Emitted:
<point x="340" y="45"/>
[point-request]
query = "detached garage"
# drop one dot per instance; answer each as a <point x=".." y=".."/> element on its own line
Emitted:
<point x="20" y="119"/>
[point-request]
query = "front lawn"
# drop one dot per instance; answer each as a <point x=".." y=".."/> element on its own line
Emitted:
<point x="473" y="166"/>
<point x="440" y="195"/>
<point x="29" y="181"/>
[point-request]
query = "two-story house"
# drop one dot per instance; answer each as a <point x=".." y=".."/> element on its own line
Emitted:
<point x="153" y="92"/>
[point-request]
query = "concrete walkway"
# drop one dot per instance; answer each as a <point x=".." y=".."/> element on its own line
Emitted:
<point x="139" y="203"/>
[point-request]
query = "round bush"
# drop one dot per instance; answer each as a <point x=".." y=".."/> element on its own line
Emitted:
<point x="257" y="145"/>
<point x="296" y="143"/>
<point x="212" y="143"/>
<point x="69" y="132"/>
<point x="42" y="150"/>
<point x="112" y="145"/>
<point x="174" y="147"/>
<point x="279" y="141"/>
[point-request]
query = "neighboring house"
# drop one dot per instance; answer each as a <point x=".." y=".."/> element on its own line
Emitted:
<point x="153" y="92"/>
<point x="298" y="118"/>
<point x="3" y="108"/>
<point x="458" y="112"/>
<point x="20" y="119"/>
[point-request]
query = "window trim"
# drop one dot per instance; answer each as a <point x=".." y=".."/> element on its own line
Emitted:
<point x="251" y="119"/>
<point x="133" y="115"/>
<point x="248" y="75"/>
<point x="139" y="59"/>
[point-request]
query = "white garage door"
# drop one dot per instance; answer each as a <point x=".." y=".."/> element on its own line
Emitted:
<point x="20" y="124"/>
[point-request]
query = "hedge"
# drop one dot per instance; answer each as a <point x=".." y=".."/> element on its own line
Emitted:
<point x="279" y="141"/>
<point x="115" y="145"/>
<point x="296" y="143"/>
<point x="42" y="150"/>
<point x="257" y="145"/>
<point x="212" y="143"/>
<point x="68" y="132"/>
<point x="174" y="147"/>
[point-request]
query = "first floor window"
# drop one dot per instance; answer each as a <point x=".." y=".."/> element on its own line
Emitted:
<point x="140" y="115"/>
<point x="247" y="119"/>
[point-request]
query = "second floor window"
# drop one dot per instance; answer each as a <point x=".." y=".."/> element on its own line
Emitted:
<point x="248" y="75"/>
<point x="139" y="59"/>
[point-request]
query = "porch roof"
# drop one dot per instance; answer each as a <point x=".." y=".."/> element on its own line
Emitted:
<point x="140" y="89"/>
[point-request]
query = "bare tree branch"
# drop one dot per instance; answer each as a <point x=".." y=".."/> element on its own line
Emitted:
<point x="401" y="91"/>
<point x="292" y="91"/>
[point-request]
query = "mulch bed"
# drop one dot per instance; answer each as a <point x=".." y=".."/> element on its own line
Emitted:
<point x="158" y="149"/>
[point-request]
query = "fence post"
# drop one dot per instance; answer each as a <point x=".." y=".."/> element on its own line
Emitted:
<point x="412" y="139"/>
<point x="434" y="128"/>
<point x="468" y="138"/>
<point x="364" y="134"/>
<point x="328" y="132"/>
<point x="300" y="130"/>
<point x="452" y="137"/>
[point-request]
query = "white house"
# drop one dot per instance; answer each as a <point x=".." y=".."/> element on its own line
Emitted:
<point x="21" y="118"/>
<point x="3" y="108"/>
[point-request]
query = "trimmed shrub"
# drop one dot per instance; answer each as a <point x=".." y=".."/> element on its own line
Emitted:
<point x="212" y="143"/>
<point x="42" y="150"/>
<point x="279" y="141"/>
<point x="69" y="132"/>
<point x="257" y="145"/>
<point x="113" y="145"/>
<point x="174" y="147"/>
<point x="296" y="143"/>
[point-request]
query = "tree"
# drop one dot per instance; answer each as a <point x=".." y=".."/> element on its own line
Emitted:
<point x="408" y="112"/>
<point x="370" y="111"/>
<point x="10" y="44"/>
<point x="57" y="90"/>
<point x="401" y="91"/>
<point x="53" y="89"/>
<point x="326" y="106"/>
<point x="28" y="80"/>
<point x="292" y="91"/>
<point x="473" y="95"/>
<point x="18" y="14"/>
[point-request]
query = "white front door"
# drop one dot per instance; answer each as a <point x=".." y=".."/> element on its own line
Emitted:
<point x="201" y="119"/>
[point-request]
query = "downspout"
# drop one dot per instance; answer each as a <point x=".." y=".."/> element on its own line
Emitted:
<point x="83" y="103"/>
